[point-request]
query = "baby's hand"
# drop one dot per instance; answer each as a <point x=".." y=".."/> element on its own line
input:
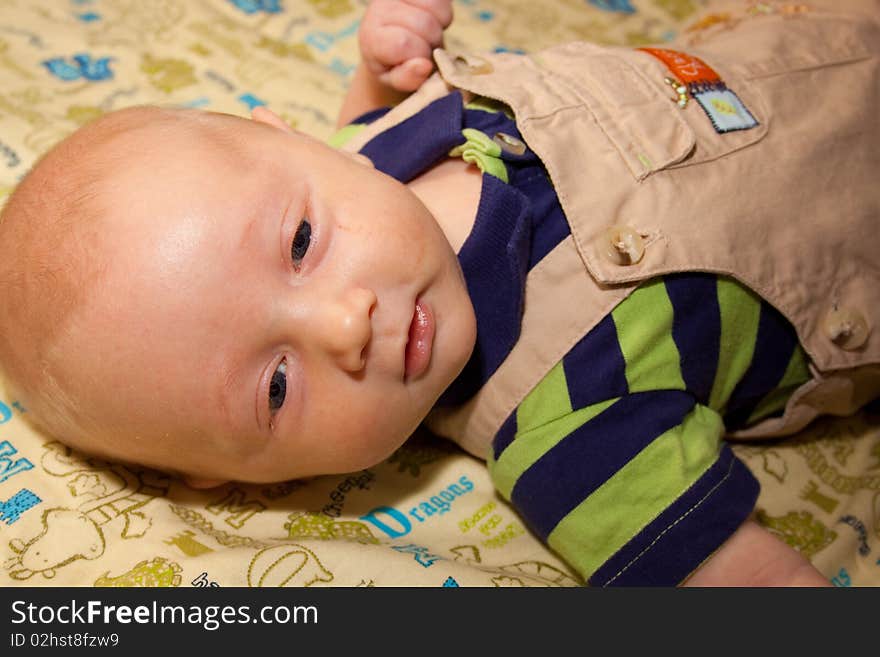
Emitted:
<point x="752" y="556"/>
<point x="397" y="37"/>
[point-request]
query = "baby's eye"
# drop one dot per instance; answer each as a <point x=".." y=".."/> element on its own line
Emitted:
<point x="301" y="241"/>
<point x="278" y="387"/>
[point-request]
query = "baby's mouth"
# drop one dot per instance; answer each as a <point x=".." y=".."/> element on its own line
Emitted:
<point x="417" y="355"/>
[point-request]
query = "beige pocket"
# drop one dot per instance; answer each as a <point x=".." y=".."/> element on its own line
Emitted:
<point x="626" y="92"/>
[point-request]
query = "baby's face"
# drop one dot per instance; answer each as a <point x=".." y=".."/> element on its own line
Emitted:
<point x="270" y="311"/>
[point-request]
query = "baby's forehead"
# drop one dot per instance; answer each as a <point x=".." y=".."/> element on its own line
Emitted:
<point x="156" y="163"/>
<point x="134" y="180"/>
<point x="148" y="136"/>
<point x="104" y="188"/>
<point x="70" y="228"/>
<point x="139" y="136"/>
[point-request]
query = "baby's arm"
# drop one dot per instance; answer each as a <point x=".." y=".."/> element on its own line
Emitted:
<point x="754" y="557"/>
<point x="396" y="39"/>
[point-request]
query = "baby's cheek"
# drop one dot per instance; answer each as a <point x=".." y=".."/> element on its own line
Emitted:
<point x="381" y="431"/>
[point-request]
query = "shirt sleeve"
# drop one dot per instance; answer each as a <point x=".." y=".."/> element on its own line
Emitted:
<point x="617" y="460"/>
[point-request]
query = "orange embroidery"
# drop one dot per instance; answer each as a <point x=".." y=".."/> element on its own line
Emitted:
<point x="687" y="68"/>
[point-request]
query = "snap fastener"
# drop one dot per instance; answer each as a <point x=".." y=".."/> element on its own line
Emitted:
<point x="846" y="328"/>
<point x="509" y="143"/>
<point x="624" y="245"/>
<point x="472" y="64"/>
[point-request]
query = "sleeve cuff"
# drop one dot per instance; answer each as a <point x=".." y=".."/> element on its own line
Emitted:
<point x="677" y="541"/>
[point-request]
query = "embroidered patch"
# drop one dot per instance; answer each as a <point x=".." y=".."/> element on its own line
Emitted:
<point x="723" y="107"/>
<point x="687" y="68"/>
<point x="725" y="110"/>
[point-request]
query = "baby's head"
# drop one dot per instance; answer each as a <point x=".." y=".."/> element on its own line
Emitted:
<point x="225" y="298"/>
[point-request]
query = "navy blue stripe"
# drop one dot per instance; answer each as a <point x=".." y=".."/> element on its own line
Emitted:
<point x="774" y="347"/>
<point x="490" y="123"/>
<point x="505" y="435"/>
<point x="368" y="117"/>
<point x="549" y="225"/>
<point x="696" y="329"/>
<point x="425" y="138"/>
<point x="493" y="260"/>
<point x="526" y="173"/>
<point x="591" y="454"/>
<point x="594" y="368"/>
<point x="675" y="543"/>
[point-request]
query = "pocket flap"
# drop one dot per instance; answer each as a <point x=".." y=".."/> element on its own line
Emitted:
<point x="580" y="77"/>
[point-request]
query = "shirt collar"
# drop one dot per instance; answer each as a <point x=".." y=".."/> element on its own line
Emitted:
<point x="495" y="256"/>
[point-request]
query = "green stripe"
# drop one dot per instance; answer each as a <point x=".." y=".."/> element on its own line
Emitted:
<point x="345" y="133"/>
<point x="531" y="445"/>
<point x="619" y="509"/>
<point x="548" y="401"/>
<point x="490" y="105"/>
<point x="644" y="330"/>
<point x="796" y="374"/>
<point x="740" y="311"/>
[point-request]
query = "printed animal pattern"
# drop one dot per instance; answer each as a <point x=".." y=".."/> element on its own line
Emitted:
<point x="318" y="525"/>
<point x="428" y="516"/>
<point x="156" y="572"/>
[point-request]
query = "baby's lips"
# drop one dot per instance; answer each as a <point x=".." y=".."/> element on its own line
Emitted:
<point x="417" y="355"/>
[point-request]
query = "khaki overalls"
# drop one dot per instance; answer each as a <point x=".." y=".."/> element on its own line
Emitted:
<point x="659" y="170"/>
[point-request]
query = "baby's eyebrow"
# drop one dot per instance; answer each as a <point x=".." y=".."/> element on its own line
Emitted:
<point x="229" y="397"/>
<point x="250" y="227"/>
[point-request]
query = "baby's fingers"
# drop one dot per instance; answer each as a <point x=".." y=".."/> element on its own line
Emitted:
<point x="417" y="17"/>
<point x="396" y="46"/>
<point x="409" y="75"/>
<point x="439" y="9"/>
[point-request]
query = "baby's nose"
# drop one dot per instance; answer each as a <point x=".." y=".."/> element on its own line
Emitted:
<point x="346" y="327"/>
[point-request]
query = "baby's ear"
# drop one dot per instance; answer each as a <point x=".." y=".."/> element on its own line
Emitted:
<point x="262" y="114"/>
<point x="200" y="483"/>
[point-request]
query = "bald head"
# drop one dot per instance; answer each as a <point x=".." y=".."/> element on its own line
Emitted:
<point x="54" y="246"/>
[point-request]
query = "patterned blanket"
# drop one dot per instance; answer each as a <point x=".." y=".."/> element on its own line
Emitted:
<point x="427" y="516"/>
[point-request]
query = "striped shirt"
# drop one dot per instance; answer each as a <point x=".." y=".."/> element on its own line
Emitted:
<point x="616" y="459"/>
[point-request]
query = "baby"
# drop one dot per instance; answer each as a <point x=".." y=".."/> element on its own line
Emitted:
<point x="230" y="299"/>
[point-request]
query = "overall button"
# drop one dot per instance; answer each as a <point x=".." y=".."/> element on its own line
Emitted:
<point x="472" y="64"/>
<point x="509" y="143"/>
<point x="624" y="246"/>
<point x="846" y="328"/>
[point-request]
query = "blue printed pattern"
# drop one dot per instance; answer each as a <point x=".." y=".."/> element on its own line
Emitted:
<point x="256" y="6"/>
<point x="619" y="6"/>
<point x="82" y="66"/>
<point x="8" y="464"/>
<point x="11" y="464"/>
<point x="251" y="101"/>
<point x="11" y="509"/>
<point x="395" y="523"/>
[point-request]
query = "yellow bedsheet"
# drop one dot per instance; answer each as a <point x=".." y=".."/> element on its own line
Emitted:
<point x="428" y="516"/>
